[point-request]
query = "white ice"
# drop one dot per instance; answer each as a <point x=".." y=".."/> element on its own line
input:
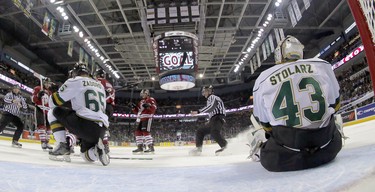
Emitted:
<point x="29" y="169"/>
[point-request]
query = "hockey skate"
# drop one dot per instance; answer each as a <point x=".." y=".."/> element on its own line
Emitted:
<point x="219" y="151"/>
<point x="16" y="144"/>
<point x="106" y="146"/>
<point x="60" y="153"/>
<point x="150" y="150"/>
<point x="101" y="153"/>
<point x="46" y="147"/>
<point x="196" y="151"/>
<point x="139" y="150"/>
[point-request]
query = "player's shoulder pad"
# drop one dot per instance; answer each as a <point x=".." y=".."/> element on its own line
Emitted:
<point x="75" y="79"/>
<point x="266" y="73"/>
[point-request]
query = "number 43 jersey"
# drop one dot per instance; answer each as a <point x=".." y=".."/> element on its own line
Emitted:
<point x="301" y="94"/>
<point x="87" y="96"/>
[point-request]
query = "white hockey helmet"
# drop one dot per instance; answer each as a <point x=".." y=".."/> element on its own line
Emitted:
<point x="144" y="92"/>
<point x="289" y="49"/>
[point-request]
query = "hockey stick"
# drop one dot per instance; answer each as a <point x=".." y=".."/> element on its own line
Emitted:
<point x="255" y="123"/>
<point x="131" y="101"/>
<point x="132" y="158"/>
<point x="255" y="144"/>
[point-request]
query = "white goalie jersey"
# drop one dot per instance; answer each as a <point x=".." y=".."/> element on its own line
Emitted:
<point x="301" y="94"/>
<point x="87" y="96"/>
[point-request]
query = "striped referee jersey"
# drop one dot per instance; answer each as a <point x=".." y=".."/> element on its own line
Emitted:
<point x="214" y="106"/>
<point x="14" y="108"/>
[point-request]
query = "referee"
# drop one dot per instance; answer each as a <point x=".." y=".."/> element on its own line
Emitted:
<point x="13" y="101"/>
<point x="216" y="112"/>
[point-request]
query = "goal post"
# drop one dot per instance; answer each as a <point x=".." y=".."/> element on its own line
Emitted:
<point x="364" y="15"/>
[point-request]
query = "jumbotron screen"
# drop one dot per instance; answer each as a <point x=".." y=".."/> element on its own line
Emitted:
<point x="176" y="53"/>
<point x="176" y="58"/>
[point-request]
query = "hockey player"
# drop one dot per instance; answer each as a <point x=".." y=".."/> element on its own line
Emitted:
<point x="216" y="112"/>
<point x="145" y="110"/>
<point x="110" y="100"/>
<point x="87" y="118"/>
<point x="295" y="102"/>
<point x="13" y="102"/>
<point x="40" y="98"/>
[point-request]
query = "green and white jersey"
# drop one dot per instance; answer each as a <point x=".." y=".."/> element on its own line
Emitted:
<point x="87" y="97"/>
<point x="301" y="94"/>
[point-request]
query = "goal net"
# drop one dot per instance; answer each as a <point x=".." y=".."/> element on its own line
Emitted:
<point x="364" y="15"/>
<point x="367" y="7"/>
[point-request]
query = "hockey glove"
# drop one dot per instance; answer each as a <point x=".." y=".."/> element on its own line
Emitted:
<point x="40" y="94"/>
<point x="54" y="87"/>
<point x="146" y="105"/>
<point x="109" y="90"/>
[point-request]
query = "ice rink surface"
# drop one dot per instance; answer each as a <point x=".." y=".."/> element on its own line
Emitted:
<point x="172" y="170"/>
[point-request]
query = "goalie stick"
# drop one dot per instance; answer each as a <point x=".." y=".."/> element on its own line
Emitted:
<point x="255" y="123"/>
<point x="255" y="144"/>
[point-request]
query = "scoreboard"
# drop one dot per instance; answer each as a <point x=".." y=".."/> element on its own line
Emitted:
<point x="176" y="52"/>
<point x="176" y="58"/>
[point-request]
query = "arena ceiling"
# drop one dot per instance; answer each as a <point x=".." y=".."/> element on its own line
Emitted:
<point x="118" y="29"/>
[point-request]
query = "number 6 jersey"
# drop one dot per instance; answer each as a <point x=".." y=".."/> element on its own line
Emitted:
<point x="301" y="94"/>
<point x="87" y="97"/>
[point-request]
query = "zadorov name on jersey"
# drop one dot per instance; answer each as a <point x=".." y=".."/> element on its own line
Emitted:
<point x="92" y="83"/>
<point x="278" y="77"/>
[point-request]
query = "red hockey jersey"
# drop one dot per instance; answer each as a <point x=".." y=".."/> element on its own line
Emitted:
<point x="44" y="100"/>
<point x="144" y="114"/>
<point x="109" y="90"/>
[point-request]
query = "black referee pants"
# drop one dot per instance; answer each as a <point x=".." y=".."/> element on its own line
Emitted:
<point x="9" y="118"/>
<point x="213" y="128"/>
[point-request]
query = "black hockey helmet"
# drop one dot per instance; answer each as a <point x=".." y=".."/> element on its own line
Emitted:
<point x="80" y="69"/>
<point x="100" y="73"/>
<point x="70" y="73"/>
<point x="208" y="88"/>
<point x="16" y="89"/>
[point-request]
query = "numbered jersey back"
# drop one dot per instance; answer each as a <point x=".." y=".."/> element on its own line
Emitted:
<point x="87" y="97"/>
<point x="298" y="94"/>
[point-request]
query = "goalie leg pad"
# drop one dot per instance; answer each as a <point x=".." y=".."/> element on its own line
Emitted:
<point x="340" y="125"/>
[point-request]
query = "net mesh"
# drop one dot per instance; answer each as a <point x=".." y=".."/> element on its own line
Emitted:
<point x="369" y="12"/>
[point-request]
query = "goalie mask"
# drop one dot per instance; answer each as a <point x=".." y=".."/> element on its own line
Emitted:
<point x="288" y="50"/>
<point x="208" y="89"/>
<point x="144" y="93"/>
